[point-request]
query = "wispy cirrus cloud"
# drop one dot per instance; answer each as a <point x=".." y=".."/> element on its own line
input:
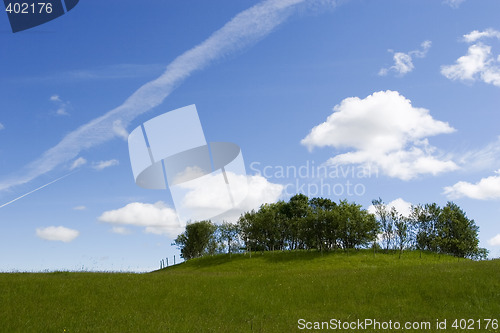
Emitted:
<point x="101" y="73"/>
<point x="486" y="158"/>
<point x="78" y="163"/>
<point x="453" y="3"/>
<point x="243" y="30"/>
<point x="403" y="62"/>
<point x="101" y="165"/>
<point x="62" y="106"/>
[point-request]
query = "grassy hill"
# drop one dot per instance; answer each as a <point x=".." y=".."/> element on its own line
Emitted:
<point x="268" y="292"/>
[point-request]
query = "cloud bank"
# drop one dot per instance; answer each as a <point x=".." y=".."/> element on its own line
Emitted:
<point x="245" y="29"/>
<point x="158" y="218"/>
<point x="383" y="130"/>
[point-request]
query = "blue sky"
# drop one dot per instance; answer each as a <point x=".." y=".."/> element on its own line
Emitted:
<point x="410" y="89"/>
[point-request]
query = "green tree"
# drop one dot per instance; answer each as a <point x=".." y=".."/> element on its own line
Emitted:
<point x="457" y="234"/>
<point x="297" y="209"/>
<point x="228" y="233"/>
<point x="268" y="228"/>
<point x="385" y="221"/>
<point x="197" y="240"/>
<point x="401" y="228"/>
<point x="246" y="225"/>
<point x="357" y="227"/>
<point x="424" y="220"/>
<point x="283" y="224"/>
<point x="320" y="226"/>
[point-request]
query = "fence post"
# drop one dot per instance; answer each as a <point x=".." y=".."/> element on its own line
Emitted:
<point x="167" y="262"/>
<point x="174" y="260"/>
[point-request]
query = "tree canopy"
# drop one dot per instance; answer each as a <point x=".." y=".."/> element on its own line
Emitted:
<point x="321" y="224"/>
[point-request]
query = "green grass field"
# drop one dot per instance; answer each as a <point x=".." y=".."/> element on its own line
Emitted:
<point x="268" y="292"/>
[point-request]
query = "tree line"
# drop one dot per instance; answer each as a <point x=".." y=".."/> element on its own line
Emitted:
<point x="323" y="225"/>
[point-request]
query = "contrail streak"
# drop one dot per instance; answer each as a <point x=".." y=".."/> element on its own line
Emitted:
<point x="243" y="30"/>
<point x="22" y="196"/>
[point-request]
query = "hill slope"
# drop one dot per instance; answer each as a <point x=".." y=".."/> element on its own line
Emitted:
<point x="268" y="292"/>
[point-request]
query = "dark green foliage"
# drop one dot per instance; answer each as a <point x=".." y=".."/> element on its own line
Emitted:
<point x="456" y="234"/>
<point x="357" y="227"/>
<point x="301" y="223"/>
<point x="430" y="228"/>
<point x="424" y="222"/>
<point x="297" y="210"/>
<point x="197" y="240"/>
<point x="228" y="233"/>
<point x="321" y="224"/>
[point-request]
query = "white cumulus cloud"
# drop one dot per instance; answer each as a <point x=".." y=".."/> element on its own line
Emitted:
<point x="477" y="35"/>
<point x="385" y="131"/>
<point x="403" y="207"/>
<point x="156" y="218"/>
<point x="212" y="196"/>
<point x="479" y="63"/>
<point x="80" y="208"/>
<point x="495" y="241"/>
<point x="159" y="218"/>
<point x="61" y="234"/>
<point x="486" y="189"/>
<point x="403" y="62"/>
<point x="2" y="126"/>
